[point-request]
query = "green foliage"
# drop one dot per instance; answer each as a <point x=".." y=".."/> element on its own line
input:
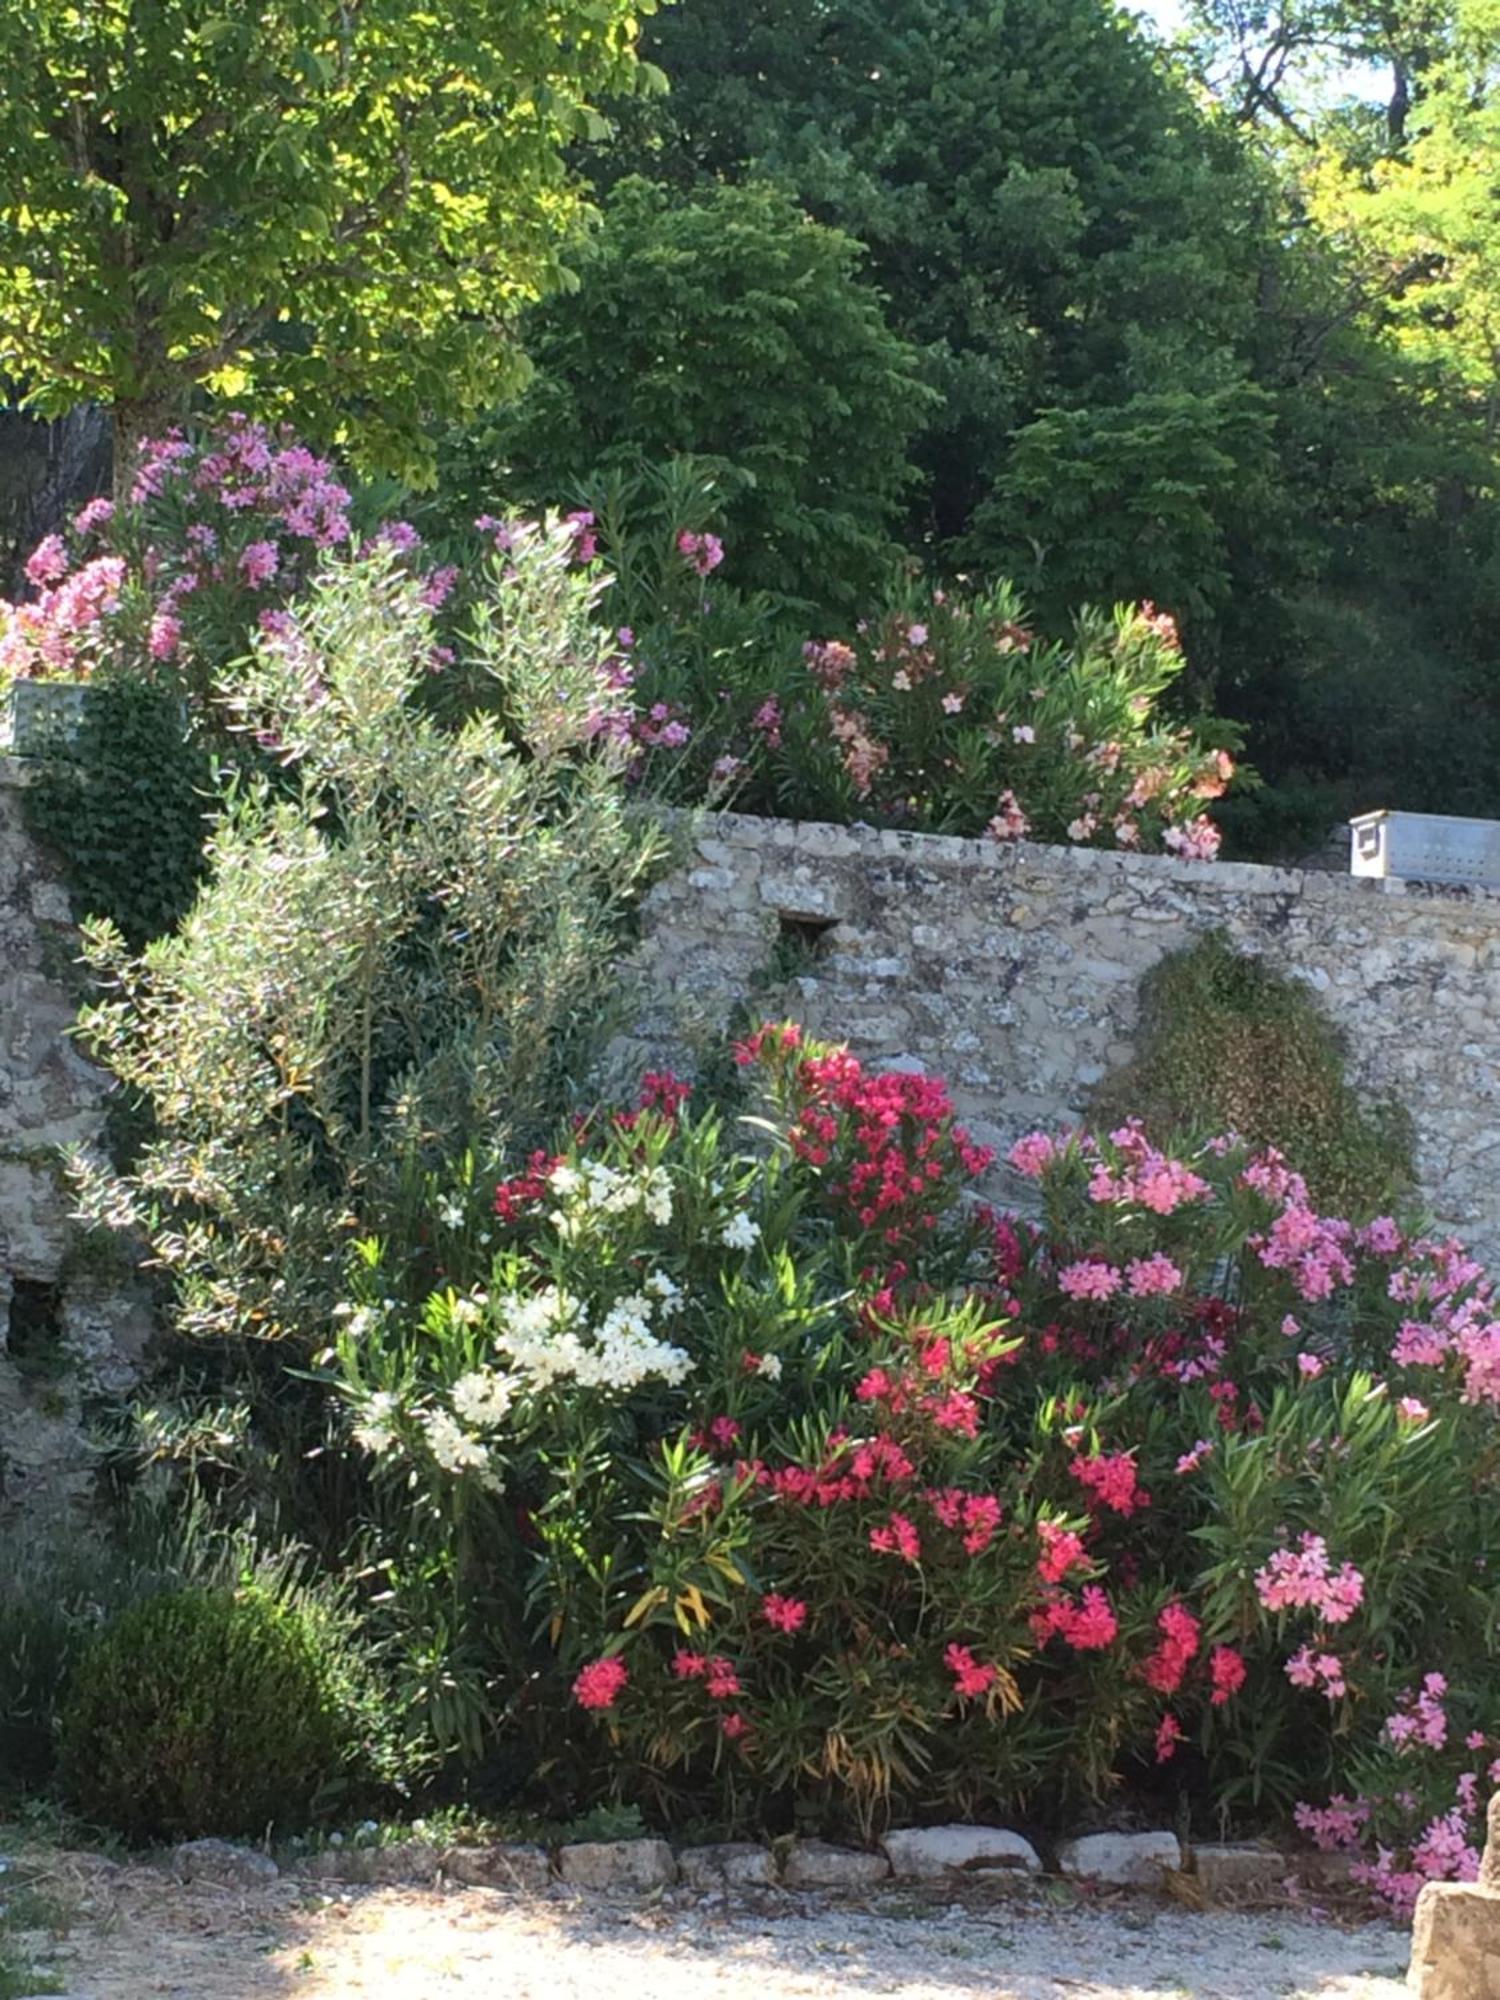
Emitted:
<point x="216" y="1710"/>
<point x="125" y="807"/>
<point x="943" y="710"/>
<point x="830" y="1495"/>
<point x="1228" y="1044"/>
<point x="403" y="950"/>
<point x="58" y="1592"/>
<point x="1052" y="216"/>
<point x="334" y="213"/>
<point x="1105" y="496"/>
<point x="726" y="326"/>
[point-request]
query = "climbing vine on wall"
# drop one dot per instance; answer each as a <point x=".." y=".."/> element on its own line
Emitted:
<point x="1228" y="1043"/>
<point x="124" y="809"/>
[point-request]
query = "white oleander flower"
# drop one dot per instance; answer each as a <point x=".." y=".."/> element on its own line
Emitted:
<point x="565" y="1179"/>
<point x="740" y="1232"/>
<point x="451" y="1445"/>
<point x="769" y="1366"/>
<point x="657" y="1196"/>
<point x="376" y="1430"/>
<point x="483" y="1397"/>
<point x="667" y="1291"/>
<point x="451" y="1213"/>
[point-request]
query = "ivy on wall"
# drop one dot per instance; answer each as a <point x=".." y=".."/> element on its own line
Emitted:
<point x="124" y="808"/>
<point x="1226" y="1043"/>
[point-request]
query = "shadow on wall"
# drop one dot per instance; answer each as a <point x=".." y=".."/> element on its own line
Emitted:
<point x="47" y="470"/>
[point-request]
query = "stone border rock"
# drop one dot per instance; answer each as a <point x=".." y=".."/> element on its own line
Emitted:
<point x="647" y="1866"/>
<point x="954" y="1853"/>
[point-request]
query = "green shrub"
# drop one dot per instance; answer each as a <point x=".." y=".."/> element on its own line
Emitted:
<point x="404" y="951"/>
<point x="220" y="1710"/>
<point x="731" y="328"/>
<point x="57" y="1594"/>
<point x="1226" y="1043"/>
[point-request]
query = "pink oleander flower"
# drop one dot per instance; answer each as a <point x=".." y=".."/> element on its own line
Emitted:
<point x="1324" y="1671"/>
<point x="1195" y="840"/>
<point x="1033" y="1154"/>
<point x="1010" y="823"/>
<point x="1336" y="1826"/>
<point x="1154" y="1277"/>
<point x="1412" y="1410"/>
<point x="48" y="561"/>
<point x="94" y="514"/>
<point x="1089" y="1278"/>
<point x="1301" y="1578"/>
<point x="400" y="536"/>
<point x="1181" y="1634"/>
<point x="1420" y="1717"/>
<point x="733" y="1726"/>
<point x="437" y="586"/>
<point x="721" y="1679"/>
<point x="1062" y="1550"/>
<point x="1093" y="1625"/>
<point x="164" y="637"/>
<point x="702" y="553"/>
<point x="787" y="1614"/>
<point x="1226" y="1670"/>
<point x="1168" y="1736"/>
<point x="1381" y="1236"/>
<point x="971" y="1677"/>
<point x="1310" y="1366"/>
<point x="259" y="563"/>
<point x="898" y="1538"/>
<point x="1111" y="1479"/>
<point x="1191" y="1460"/>
<point x="580" y="524"/>
<point x="598" y="1685"/>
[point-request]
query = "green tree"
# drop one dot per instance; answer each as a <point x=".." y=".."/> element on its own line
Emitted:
<point x="1054" y="217"/>
<point x="1147" y="493"/>
<point x="723" y="325"/>
<point x="333" y="211"/>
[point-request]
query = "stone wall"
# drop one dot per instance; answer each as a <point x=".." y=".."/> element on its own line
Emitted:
<point x="1014" y="971"/>
<point x="71" y="1329"/>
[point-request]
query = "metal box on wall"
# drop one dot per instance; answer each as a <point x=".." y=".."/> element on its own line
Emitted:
<point x="1426" y="847"/>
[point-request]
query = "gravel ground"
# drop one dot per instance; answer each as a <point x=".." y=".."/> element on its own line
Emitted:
<point x="135" y="1935"/>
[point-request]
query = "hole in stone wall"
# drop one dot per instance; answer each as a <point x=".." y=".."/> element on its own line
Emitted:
<point x="808" y="934"/>
<point x="800" y="943"/>
<point x="33" y="1331"/>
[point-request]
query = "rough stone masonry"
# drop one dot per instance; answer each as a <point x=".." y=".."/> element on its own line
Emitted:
<point x="1014" y="971"/>
<point x="70" y="1328"/>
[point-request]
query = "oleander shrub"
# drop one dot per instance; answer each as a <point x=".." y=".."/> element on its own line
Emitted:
<point x="821" y="1491"/>
<point x="942" y="710"/>
<point x="222" y="1709"/>
<point x="404" y="947"/>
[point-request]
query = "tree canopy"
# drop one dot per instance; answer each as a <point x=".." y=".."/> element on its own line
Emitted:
<point x="335" y="211"/>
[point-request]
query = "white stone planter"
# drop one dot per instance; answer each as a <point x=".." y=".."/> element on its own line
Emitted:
<point x="44" y="715"/>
